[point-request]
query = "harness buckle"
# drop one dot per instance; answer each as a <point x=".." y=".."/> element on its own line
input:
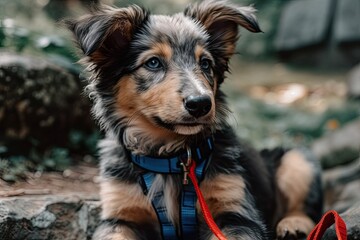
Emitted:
<point x="186" y="166"/>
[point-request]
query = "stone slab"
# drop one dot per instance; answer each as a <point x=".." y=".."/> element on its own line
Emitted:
<point x="347" y="137"/>
<point x="353" y="81"/>
<point x="48" y="218"/>
<point x="303" y="23"/>
<point x="347" y="21"/>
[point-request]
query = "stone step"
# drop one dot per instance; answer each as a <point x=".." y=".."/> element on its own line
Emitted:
<point x="48" y="217"/>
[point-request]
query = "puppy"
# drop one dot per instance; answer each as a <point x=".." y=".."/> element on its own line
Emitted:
<point x="155" y="84"/>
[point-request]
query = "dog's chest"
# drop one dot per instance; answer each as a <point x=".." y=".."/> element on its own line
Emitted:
<point x="173" y="203"/>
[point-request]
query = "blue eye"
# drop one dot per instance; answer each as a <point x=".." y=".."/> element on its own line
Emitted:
<point x="153" y="63"/>
<point x="205" y="64"/>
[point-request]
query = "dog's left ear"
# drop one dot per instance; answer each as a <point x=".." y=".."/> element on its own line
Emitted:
<point x="105" y="33"/>
<point x="221" y="20"/>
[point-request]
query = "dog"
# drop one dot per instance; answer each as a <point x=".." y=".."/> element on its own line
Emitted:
<point x="155" y="84"/>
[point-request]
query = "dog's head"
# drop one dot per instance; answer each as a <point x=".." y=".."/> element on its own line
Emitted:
<point x="156" y="78"/>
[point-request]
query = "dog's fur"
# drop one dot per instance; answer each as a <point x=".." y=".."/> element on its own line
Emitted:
<point x="144" y="68"/>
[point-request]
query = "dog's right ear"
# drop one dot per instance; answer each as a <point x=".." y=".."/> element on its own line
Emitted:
<point x="221" y="20"/>
<point x="106" y="31"/>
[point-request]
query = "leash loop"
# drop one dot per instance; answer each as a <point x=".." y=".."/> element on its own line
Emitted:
<point x="329" y="218"/>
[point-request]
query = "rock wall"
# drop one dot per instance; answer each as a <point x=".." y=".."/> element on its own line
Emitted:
<point x="48" y="217"/>
<point x="41" y="103"/>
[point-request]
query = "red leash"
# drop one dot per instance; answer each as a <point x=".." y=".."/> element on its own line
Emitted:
<point x="327" y="220"/>
<point x="204" y="207"/>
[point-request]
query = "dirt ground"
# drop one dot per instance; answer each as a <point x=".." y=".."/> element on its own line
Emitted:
<point x="77" y="180"/>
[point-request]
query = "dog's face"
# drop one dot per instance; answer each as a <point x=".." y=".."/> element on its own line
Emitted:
<point x="170" y="85"/>
<point x="156" y="77"/>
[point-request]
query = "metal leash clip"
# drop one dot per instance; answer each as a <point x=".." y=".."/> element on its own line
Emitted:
<point x="186" y="166"/>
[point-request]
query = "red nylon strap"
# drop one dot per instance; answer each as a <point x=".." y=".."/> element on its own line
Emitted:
<point x="204" y="207"/>
<point x="327" y="220"/>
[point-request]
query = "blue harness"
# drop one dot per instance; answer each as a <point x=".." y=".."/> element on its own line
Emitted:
<point x="175" y="165"/>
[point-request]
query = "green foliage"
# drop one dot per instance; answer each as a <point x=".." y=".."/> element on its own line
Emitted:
<point x="80" y="141"/>
<point x="14" y="168"/>
<point x="20" y="39"/>
<point x="269" y="126"/>
<point x="80" y="145"/>
<point x="58" y="159"/>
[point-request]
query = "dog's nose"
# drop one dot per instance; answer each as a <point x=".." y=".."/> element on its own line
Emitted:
<point x="198" y="106"/>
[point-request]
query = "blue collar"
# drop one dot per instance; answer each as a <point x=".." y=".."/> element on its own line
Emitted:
<point x="170" y="165"/>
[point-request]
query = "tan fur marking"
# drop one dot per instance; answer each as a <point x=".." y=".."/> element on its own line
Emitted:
<point x="165" y="98"/>
<point x="294" y="177"/>
<point x="158" y="49"/>
<point x="126" y="96"/>
<point x="164" y="49"/>
<point x="125" y="201"/>
<point x="97" y="57"/>
<point x="199" y="50"/>
<point x="152" y="102"/>
<point x="294" y="223"/>
<point x="230" y="49"/>
<point x="223" y="193"/>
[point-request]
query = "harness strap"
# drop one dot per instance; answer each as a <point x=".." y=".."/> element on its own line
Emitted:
<point x="168" y="230"/>
<point x="188" y="215"/>
<point x="188" y="219"/>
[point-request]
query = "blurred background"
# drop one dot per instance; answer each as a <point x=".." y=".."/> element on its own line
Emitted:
<point x="298" y="83"/>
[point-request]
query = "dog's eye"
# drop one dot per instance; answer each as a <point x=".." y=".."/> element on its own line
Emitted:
<point x="153" y="63"/>
<point x="205" y="64"/>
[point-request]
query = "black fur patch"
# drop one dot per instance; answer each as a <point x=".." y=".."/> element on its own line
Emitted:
<point x="240" y="227"/>
<point x="143" y="231"/>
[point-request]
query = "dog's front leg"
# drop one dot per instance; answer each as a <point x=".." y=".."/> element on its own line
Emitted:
<point x="126" y="213"/>
<point x="232" y="208"/>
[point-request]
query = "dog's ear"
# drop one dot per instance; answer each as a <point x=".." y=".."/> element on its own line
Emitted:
<point x="106" y="31"/>
<point x="221" y="21"/>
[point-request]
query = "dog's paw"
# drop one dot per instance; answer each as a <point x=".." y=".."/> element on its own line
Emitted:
<point x="294" y="227"/>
